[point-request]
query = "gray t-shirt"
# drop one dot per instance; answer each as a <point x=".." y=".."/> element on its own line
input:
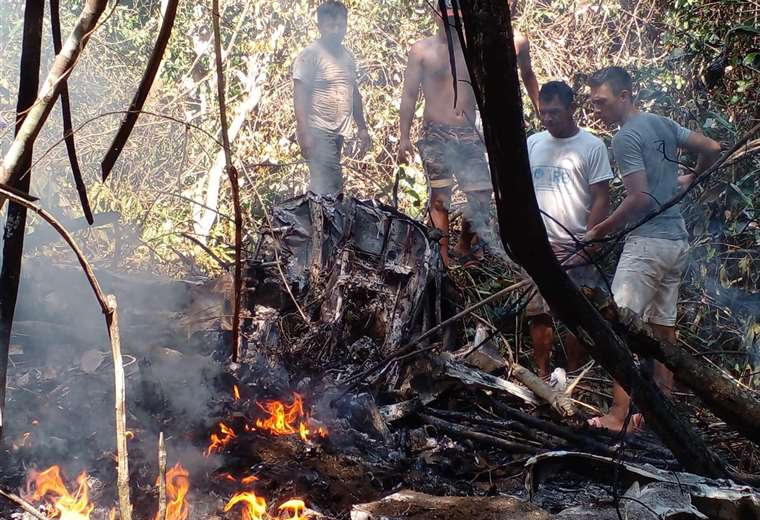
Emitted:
<point x="563" y="171"/>
<point x="643" y="143"/>
<point x="331" y="79"/>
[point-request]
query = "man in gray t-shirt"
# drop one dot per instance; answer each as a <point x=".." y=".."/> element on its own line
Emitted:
<point x="326" y="98"/>
<point x="655" y="253"/>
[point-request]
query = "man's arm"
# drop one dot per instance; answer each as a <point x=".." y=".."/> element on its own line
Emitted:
<point x="409" y="95"/>
<point x="707" y="152"/>
<point x="302" y="105"/>
<point x="636" y="203"/>
<point x="522" y="49"/>
<point x="365" y="142"/>
<point x="600" y="203"/>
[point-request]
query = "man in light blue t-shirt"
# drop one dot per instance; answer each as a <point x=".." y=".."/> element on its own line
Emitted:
<point x="571" y="173"/>
<point x="655" y="254"/>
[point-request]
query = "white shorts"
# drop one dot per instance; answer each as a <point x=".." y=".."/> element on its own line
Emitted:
<point x="647" y="278"/>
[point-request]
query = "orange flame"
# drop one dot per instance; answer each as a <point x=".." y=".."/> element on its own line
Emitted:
<point x="287" y="419"/>
<point x="254" y="507"/>
<point x="219" y="441"/>
<point x="235" y="392"/>
<point x="177" y="484"/>
<point x="282" y="417"/>
<point x="294" y="508"/>
<point x="248" y="480"/>
<point x="48" y="486"/>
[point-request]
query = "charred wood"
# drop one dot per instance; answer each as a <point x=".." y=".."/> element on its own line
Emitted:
<point x="13" y="245"/>
<point x="466" y="433"/>
<point x="13" y="167"/>
<point x="721" y="394"/>
<point x="154" y="62"/>
<point x="68" y="128"/>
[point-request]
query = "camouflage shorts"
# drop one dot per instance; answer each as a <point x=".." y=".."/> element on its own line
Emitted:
<point x="450" y="152"/>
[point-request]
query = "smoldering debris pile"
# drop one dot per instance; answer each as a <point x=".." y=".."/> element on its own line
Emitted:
<point x="344" y="294"/>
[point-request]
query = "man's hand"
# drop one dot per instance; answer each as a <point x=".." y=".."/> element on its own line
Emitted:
<point x="365" y="142"/>
<point x="405" y="149"/>
<point x="306" y="142"/>
<point x="591" y="235"/>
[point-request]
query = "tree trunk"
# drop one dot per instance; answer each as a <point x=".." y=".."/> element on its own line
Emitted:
<point x="68" y="128"/>
<point x="13" y="246"/>
<point x="13" y="168"/>
<point x="491" y="60"/>
<point x="138" y="101"/>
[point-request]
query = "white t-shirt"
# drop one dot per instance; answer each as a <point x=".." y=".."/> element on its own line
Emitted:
<point x="563" y="171"/>
<point x="332" y="79"/>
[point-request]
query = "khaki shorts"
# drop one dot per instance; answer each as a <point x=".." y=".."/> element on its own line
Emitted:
<point x="582" y="275"/>
<point x="647" y="278"/>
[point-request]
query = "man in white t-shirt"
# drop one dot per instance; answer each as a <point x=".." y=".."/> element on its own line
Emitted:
<point x="326" y="98"/>
<point x="571" y="173"/>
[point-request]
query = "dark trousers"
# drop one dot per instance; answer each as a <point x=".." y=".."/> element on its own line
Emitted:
<point x="325" y="175"/>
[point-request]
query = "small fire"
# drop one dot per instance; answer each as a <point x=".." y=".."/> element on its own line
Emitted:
<point x="287" y="419"/>
<point x="248" y="480"/>
<point x="235" y="392"/>
<point x="254" y="507"/>
<point x="48" y="486"/>
<point x="220" y="440"/>
<point x="177" y="484"/>
<point x="294" y="509"/>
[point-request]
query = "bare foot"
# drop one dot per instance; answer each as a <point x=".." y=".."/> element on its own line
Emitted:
<point x="614" y="423"/>
<point x="469" y="254"/>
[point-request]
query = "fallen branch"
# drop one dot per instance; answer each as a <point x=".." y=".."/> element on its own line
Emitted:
<point x="138" y="101"/>
<point x="108" y="307"/>
<point x="23" y="504"/>
<point x="465" y="433"/>
<point x="561" y="402"/>
<point x="722" y="395"/>
<point x="234" y="186"/>
<point x="13" y="165"/>
<point x="122" y="476"/>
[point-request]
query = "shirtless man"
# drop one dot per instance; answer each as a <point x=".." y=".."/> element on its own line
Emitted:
<point x="528" y="77"/>
<point x="449" y="144"/>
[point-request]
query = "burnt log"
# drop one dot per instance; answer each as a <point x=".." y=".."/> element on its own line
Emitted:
<point x="726" y="399"/>
<point x="13" y="245"/>
<point x="490" y="56"/>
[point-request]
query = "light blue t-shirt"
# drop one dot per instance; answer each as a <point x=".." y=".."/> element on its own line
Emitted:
<point x="646" y="142"/>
